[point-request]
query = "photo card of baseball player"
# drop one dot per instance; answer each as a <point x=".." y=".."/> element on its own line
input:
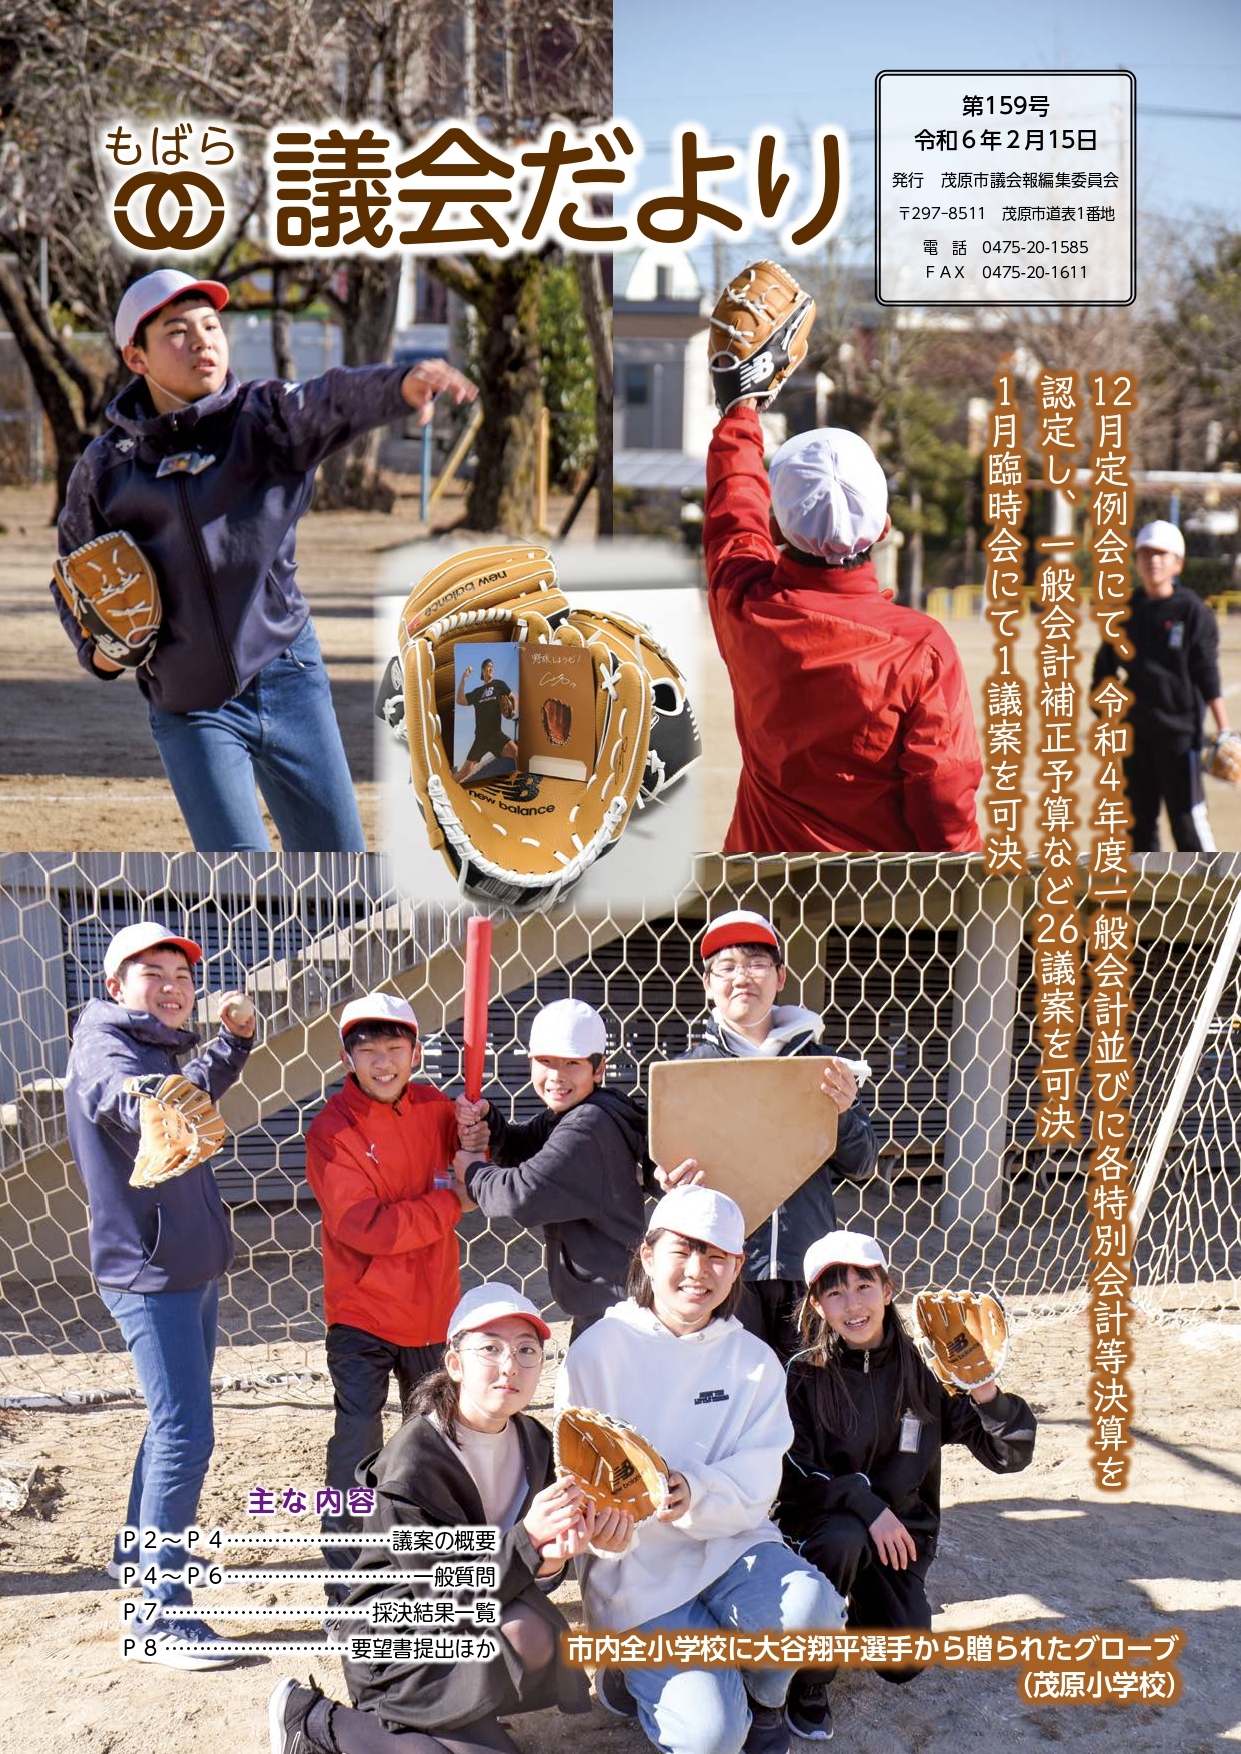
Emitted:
<point x="485" y="729"/>
<point x="557" y="734"/>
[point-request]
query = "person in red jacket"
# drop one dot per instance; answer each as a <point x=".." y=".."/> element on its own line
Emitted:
<point x="853" y="714"/>
<point x="376" y="1156"/>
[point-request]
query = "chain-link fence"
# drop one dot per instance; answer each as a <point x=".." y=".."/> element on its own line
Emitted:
<point x="920" y="966"/>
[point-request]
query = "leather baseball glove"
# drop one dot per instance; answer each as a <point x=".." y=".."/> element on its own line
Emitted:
<point x="181" y="1127"/>
<point x="614" y="1465"/>
<point x="521" y="840"/>
<point x="964" y="1338"/>
<point x="759" y="331"/>
<point x="113" y="596"/>
<point x="674" y="744"/>
<point x="1222" y="757"/>
<point x="557" y="716"/>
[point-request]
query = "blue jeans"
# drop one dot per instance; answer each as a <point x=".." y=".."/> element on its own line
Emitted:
<point x="281" y="731"/>
<point x="704" y="1711"/>
<point x="171" y="1339"/>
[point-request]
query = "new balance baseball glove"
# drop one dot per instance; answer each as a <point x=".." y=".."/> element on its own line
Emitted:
<point x="1222" y="757"/>
<point x="181" y="1127"/>
<point x="615" y="1466"/>
<point x="759" y="331"/>
<point x="964" y="1338"/>
<point x="522" y="839"/>
<point x="113" y="596"/>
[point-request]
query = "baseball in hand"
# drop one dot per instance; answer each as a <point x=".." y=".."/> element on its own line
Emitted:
<point x="237" y="1013"/>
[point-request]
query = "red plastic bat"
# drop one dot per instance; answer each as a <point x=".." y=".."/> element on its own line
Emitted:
<point x="477" y="993"/>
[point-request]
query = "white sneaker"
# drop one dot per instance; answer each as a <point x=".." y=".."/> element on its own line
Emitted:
<point x="181" y="1644"/>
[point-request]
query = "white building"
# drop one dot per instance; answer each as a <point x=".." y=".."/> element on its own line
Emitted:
<point x="664" y="412"/>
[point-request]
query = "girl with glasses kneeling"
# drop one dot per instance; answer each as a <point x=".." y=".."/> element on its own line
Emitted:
<point x="467" y="1456"/>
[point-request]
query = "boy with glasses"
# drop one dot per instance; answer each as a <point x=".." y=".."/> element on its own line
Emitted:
<point x="743" y="973"/>
<point x="378" y="1156"/>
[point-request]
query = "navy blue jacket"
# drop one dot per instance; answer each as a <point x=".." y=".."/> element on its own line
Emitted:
<point x="777" y="1249"/>
<point x="1174" y="669"/>
<point x="173" y="1237"/>
<point x="221" y="541"/>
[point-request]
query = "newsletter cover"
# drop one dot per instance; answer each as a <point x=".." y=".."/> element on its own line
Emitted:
<point x="861" y="385"/>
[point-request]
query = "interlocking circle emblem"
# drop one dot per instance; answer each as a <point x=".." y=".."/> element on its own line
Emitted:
<point x="180" y="235"/>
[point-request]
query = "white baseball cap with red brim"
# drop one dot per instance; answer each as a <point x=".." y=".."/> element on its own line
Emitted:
<point x="153" y="292"/>
<point x="739" y="927"/>
<point x="842" y="1248"/>
<point x="378" y="1008"/>
<point x="133" y="940"/>
<point x="492" y="1302"/>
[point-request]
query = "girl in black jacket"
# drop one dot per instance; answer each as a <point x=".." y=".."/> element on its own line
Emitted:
<point x="860" y="1492"/>
<point x="467" y="1456"/>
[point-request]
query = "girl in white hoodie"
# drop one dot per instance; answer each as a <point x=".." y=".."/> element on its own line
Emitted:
<point x="675" y="1363"/>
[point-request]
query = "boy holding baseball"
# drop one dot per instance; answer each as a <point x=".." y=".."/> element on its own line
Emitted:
<point x="378" y="1160"/>
<point x="157" y="1253"/>
<point x="209" y="477"/>
<point x="579" y="1172"/>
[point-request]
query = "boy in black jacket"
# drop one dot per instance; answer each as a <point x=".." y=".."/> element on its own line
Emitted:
<point x="579" y="1172"/>
<point x="1174" y="675"/>
<point x="158" y="1254"/>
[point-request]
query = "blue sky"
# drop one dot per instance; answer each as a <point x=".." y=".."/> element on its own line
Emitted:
<point x="732" y="67"/>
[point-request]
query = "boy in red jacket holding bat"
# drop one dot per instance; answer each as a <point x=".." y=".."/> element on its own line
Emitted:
<point x="377" y="1157"/>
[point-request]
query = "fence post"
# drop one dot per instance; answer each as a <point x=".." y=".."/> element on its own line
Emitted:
<point x="980" y="1055"/>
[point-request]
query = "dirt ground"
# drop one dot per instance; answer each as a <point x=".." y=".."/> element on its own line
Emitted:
<point x="1042" y="1551"/>
<point x="78" y="769"/>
